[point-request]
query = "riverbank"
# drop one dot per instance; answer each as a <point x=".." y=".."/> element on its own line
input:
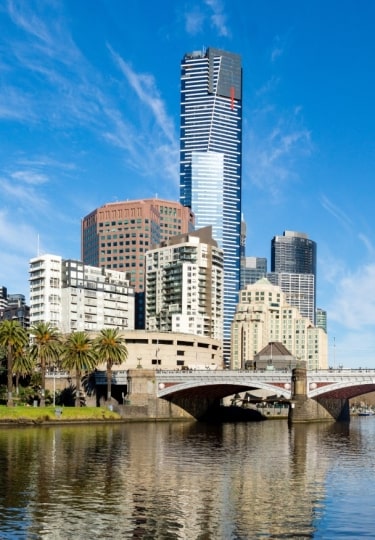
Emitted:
<point x="21" y="414"/>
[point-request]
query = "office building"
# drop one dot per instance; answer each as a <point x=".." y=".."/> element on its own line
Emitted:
<point x="321" y="319"/>
<point x="263" y="316"/>
<point x="117" y="236"/>
<point x="77" y="297"/>
<point x="184" y="285"/>
<point x="291" y="254"/>
<point x="299" y="290"/>
<point x="252" y="269"/>
<point x="210" y="157"/>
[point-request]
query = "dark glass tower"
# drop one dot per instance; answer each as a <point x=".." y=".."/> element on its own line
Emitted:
<point x="210" y="158"/>
<point x="293" y="263"/>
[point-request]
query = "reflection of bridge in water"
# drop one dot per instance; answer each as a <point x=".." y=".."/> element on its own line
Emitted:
<point x="313" y="395"/>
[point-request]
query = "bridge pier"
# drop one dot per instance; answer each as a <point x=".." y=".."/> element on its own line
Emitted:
<point x="303" y="409"/>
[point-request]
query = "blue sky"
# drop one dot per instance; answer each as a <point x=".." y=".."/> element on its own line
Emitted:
<point x="89" y="114"/>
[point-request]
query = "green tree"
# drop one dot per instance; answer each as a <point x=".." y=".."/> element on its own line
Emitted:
<point x="45" y="350"/>
<point x="23" y="364"/>
<point x="110" y="348"/>
<point x="13" y="337"/>
<point x="79" y="355"/>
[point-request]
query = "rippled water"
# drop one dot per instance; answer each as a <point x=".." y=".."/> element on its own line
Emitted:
<point x="188" y="481"/>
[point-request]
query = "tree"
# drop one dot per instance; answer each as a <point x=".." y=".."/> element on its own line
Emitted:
<point x="110" y="348"/>
<point x="23" y="364"/>
<point x="45" y="349"/>
<point x="78" y="355"/>
<point x="13" y="337"/>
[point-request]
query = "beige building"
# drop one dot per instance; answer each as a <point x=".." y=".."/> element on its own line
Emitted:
<point x="263" y="316"/>
<point x="170" y="350"/>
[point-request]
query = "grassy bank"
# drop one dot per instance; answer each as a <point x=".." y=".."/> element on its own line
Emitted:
<point x="22" y="413"/>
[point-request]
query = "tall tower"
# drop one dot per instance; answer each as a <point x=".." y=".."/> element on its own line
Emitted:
<point x="293" y="263"/>
<point x="210" y="158"/>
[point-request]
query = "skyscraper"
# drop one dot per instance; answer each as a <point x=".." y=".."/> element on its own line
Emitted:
<point x="210" y="157"/>
<point x="294" y="254"/>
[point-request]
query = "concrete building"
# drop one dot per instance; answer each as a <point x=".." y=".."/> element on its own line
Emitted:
<point x="117" y="236"/>
<point x="263" y="316"/>
<point x="211" y="157"/>
<point x="299" y="290"/>
<point x="170" y="350"/>
<point x="184" y="285"/>
<point x="74" y="296"/>
<point x="293" y="254"/>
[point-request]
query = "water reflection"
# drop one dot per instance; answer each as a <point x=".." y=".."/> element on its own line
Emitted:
<point x="180" y="480"/>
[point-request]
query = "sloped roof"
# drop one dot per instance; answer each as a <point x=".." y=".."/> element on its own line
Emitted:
<point x="274" y="348"/>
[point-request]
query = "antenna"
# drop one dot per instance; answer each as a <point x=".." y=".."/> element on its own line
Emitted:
<point x="37" y="246"/>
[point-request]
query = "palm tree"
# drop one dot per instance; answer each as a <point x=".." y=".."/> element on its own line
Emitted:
<point x="23" y="364"/>
<point x="45" y="349"/>
<point x="13" y="337"/>
<point x="110" y="348"/>
<point x="78" y="355"/>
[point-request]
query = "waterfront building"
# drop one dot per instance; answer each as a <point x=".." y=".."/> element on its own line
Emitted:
<point x="78" y="297"/>
<point x="117" y="236"/>
<point x="263" y="315"/>
<point x="294" y="253"/>
<point x="184" y="285"/>
<point x="211" y="155"/>
<point x="169" y="350"/>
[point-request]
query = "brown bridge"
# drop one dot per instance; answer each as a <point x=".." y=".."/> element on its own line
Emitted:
<point x="313" y="396"/>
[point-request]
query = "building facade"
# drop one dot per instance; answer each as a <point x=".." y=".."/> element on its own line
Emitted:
<point x="13" y="308"/>
<point x="294" y="253"/>
<point x="211" y="155"/>
<point x="184" y="285"/>
<point x="263" y="316"/>
<point x="77" y="297"/>
<point x="117" y="236"/>
<point x="252" y="269"/>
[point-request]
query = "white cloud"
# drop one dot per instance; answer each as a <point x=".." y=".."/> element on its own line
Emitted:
<point x="194" y="21"/>
<point x="353" y="304"/>
<point x="218" y="17"/>
<point x="336" y="212"/>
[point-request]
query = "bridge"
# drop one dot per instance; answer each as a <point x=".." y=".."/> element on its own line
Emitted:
<point x="313" y="395"/>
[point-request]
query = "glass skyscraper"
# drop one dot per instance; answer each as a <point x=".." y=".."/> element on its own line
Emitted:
<point x="293" y="263"/>
<point x="210" y="158"/>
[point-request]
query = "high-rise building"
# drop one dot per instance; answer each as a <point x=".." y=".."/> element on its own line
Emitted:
<point x="13" y="308"/>
<point x="252" y="269"/>
<point x="117" y="236"/>
<point x="291" y="254"/>
<point x="263" y="315"/>
<point x="211" y="155"/>
<point x="321" y="319"/>
<point x="78" y="297"/>
<point x="185" y="285"/>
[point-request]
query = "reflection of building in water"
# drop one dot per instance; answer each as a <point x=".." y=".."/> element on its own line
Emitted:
<point x="168" y="480"/>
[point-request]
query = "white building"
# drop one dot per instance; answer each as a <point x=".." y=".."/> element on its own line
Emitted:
<point x="264" y="316"/>
<point x="76" y="297"/>
<point x="184" y="285"/>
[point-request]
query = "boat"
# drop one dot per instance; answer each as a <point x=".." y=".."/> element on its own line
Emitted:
<point x="365" y="412"/>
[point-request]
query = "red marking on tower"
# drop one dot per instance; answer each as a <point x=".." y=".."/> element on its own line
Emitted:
<point x="232" y="97"/>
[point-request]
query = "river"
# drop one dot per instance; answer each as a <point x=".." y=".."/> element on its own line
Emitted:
<point x="185" y="480"/>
